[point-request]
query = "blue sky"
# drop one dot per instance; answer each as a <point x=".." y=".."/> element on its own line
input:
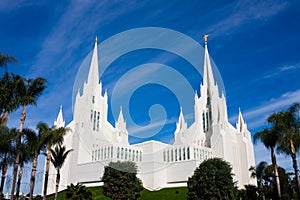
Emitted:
<point x="255" y="45"/>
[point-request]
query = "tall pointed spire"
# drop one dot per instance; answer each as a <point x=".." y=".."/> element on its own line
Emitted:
<point x="59" y="122"/>
<point x="240" y="123"/>
<point x="121" y="122"/>
<point x="208" y="78"/>
<point x="93" y="76"/>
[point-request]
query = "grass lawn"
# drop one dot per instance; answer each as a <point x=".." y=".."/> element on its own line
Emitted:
<point x="163" y="194"/>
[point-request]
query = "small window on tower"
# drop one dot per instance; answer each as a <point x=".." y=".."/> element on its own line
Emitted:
<point x="93" y="100"/>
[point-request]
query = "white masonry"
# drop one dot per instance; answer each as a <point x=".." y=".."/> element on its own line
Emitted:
<point x="95" y="142"/>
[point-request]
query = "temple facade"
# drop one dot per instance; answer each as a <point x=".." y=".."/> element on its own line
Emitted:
<point x="96" y="142"/>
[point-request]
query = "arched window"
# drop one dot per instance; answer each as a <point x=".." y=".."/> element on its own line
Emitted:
<point x="118" y="153"/>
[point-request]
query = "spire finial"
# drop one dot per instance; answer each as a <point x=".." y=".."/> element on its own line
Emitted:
<point x="205" y="38"/>
<point x="96" y="40"/>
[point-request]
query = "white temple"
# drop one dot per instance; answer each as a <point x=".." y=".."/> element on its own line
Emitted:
<point x="96" y="142"/>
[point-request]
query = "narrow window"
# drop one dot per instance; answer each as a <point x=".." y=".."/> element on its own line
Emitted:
<point x="98" y="154"/>
<point x="140" y="156"/>
<point x="118" y="153"/>
<point x="122" y="152"/>
<point x="112" y="152"/>
<point x="137" y="156"/>
<point x="188" y="153"/>
<point x="133" y="155"/>
<point x="164" y="154"/>
<point x="175" y="154"/>
<point x="183" y="151"/>
<point x="98" y="120"/>
<point x="93" y="99"/>
<point x="129" y="154"/>
<point x="172" y="155"/>
<point x="104" y="153"/>
<point x="168" y="156"/>
<point x="179" y="152"/>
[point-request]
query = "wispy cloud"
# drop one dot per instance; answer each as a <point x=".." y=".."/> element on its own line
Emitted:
<point x="257" y="116"/>
<point x="245" y="12"/>
<point x="280" y="70"/>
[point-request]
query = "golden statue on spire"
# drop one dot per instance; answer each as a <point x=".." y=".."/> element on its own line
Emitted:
<point x="205" y="38"/>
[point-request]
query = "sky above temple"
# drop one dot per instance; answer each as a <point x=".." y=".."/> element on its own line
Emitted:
<point x="255" y="45"/>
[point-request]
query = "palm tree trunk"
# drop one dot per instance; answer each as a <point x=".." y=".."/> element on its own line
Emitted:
<point x="16" y="164"/>
<point x="57" y="183"/>
<point x="47" y="172"/>
<point x="19" y="179"/>
<point x="33" y="172"/>
<point x="295" y="166"/>
<point x="4" y="171"/>
<point x="276" y="173"/>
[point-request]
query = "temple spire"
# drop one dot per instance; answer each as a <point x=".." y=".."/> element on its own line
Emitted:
<point x="93" y="76"/>
<point x="59" y="122"/>
<point x="208" y="78"/>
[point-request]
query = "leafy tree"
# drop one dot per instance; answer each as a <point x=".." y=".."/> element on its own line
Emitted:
<point x="120" y="181"/>
<point x="287" y="123"/>
<point x="78" y="192"/>
<point x="37" y="142"/>
<point x="56" y="137"/>
<point x="270" y="137"/>
<point x="269" y="182"/>
<point x="28" y="91"/>
<point x="58" y="158"/>
<point x="7" y="139"/>
<point x="212" y="180"/>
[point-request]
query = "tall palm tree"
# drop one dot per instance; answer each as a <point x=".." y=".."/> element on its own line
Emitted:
<point x="25" y="157"/>
<point x="36" y="142"/>
<point x="258" y="172"/>
<point x="58" y="158"/>
<point x="56" y="137"/>
<point x="8" y="102"/>
<point x="287" y="123"/>
<point x="28" y="90"/>
<point x="5" y="59"/>
<point x="7" y="91"/>
<point x="269" y="137"/>
<point x="7" y="138"/>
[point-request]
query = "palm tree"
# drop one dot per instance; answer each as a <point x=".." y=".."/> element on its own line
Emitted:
<point x="25" y="157"/>
<point x="58" y="158"/>
<point x="8" y="102"/>
<point x="259" y="172"/>
<point x="269" y="137"/>
<point x="36" y="142"/>
<point x="7" y="138"/>
<point x="56" y="136"/>
<point x="5" y="59"/>
<point x="28" y="90"/>
<point x="287" y="123"/>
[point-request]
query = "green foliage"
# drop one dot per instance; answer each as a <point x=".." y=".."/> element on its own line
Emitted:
<point x="78" y="192"/>
<point x="120" y="181"/>
<point x="212" y="180"/>
<point x="59" y="155"/>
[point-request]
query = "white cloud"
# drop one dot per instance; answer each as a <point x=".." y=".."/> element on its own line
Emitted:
<point x="245" y="12"/>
